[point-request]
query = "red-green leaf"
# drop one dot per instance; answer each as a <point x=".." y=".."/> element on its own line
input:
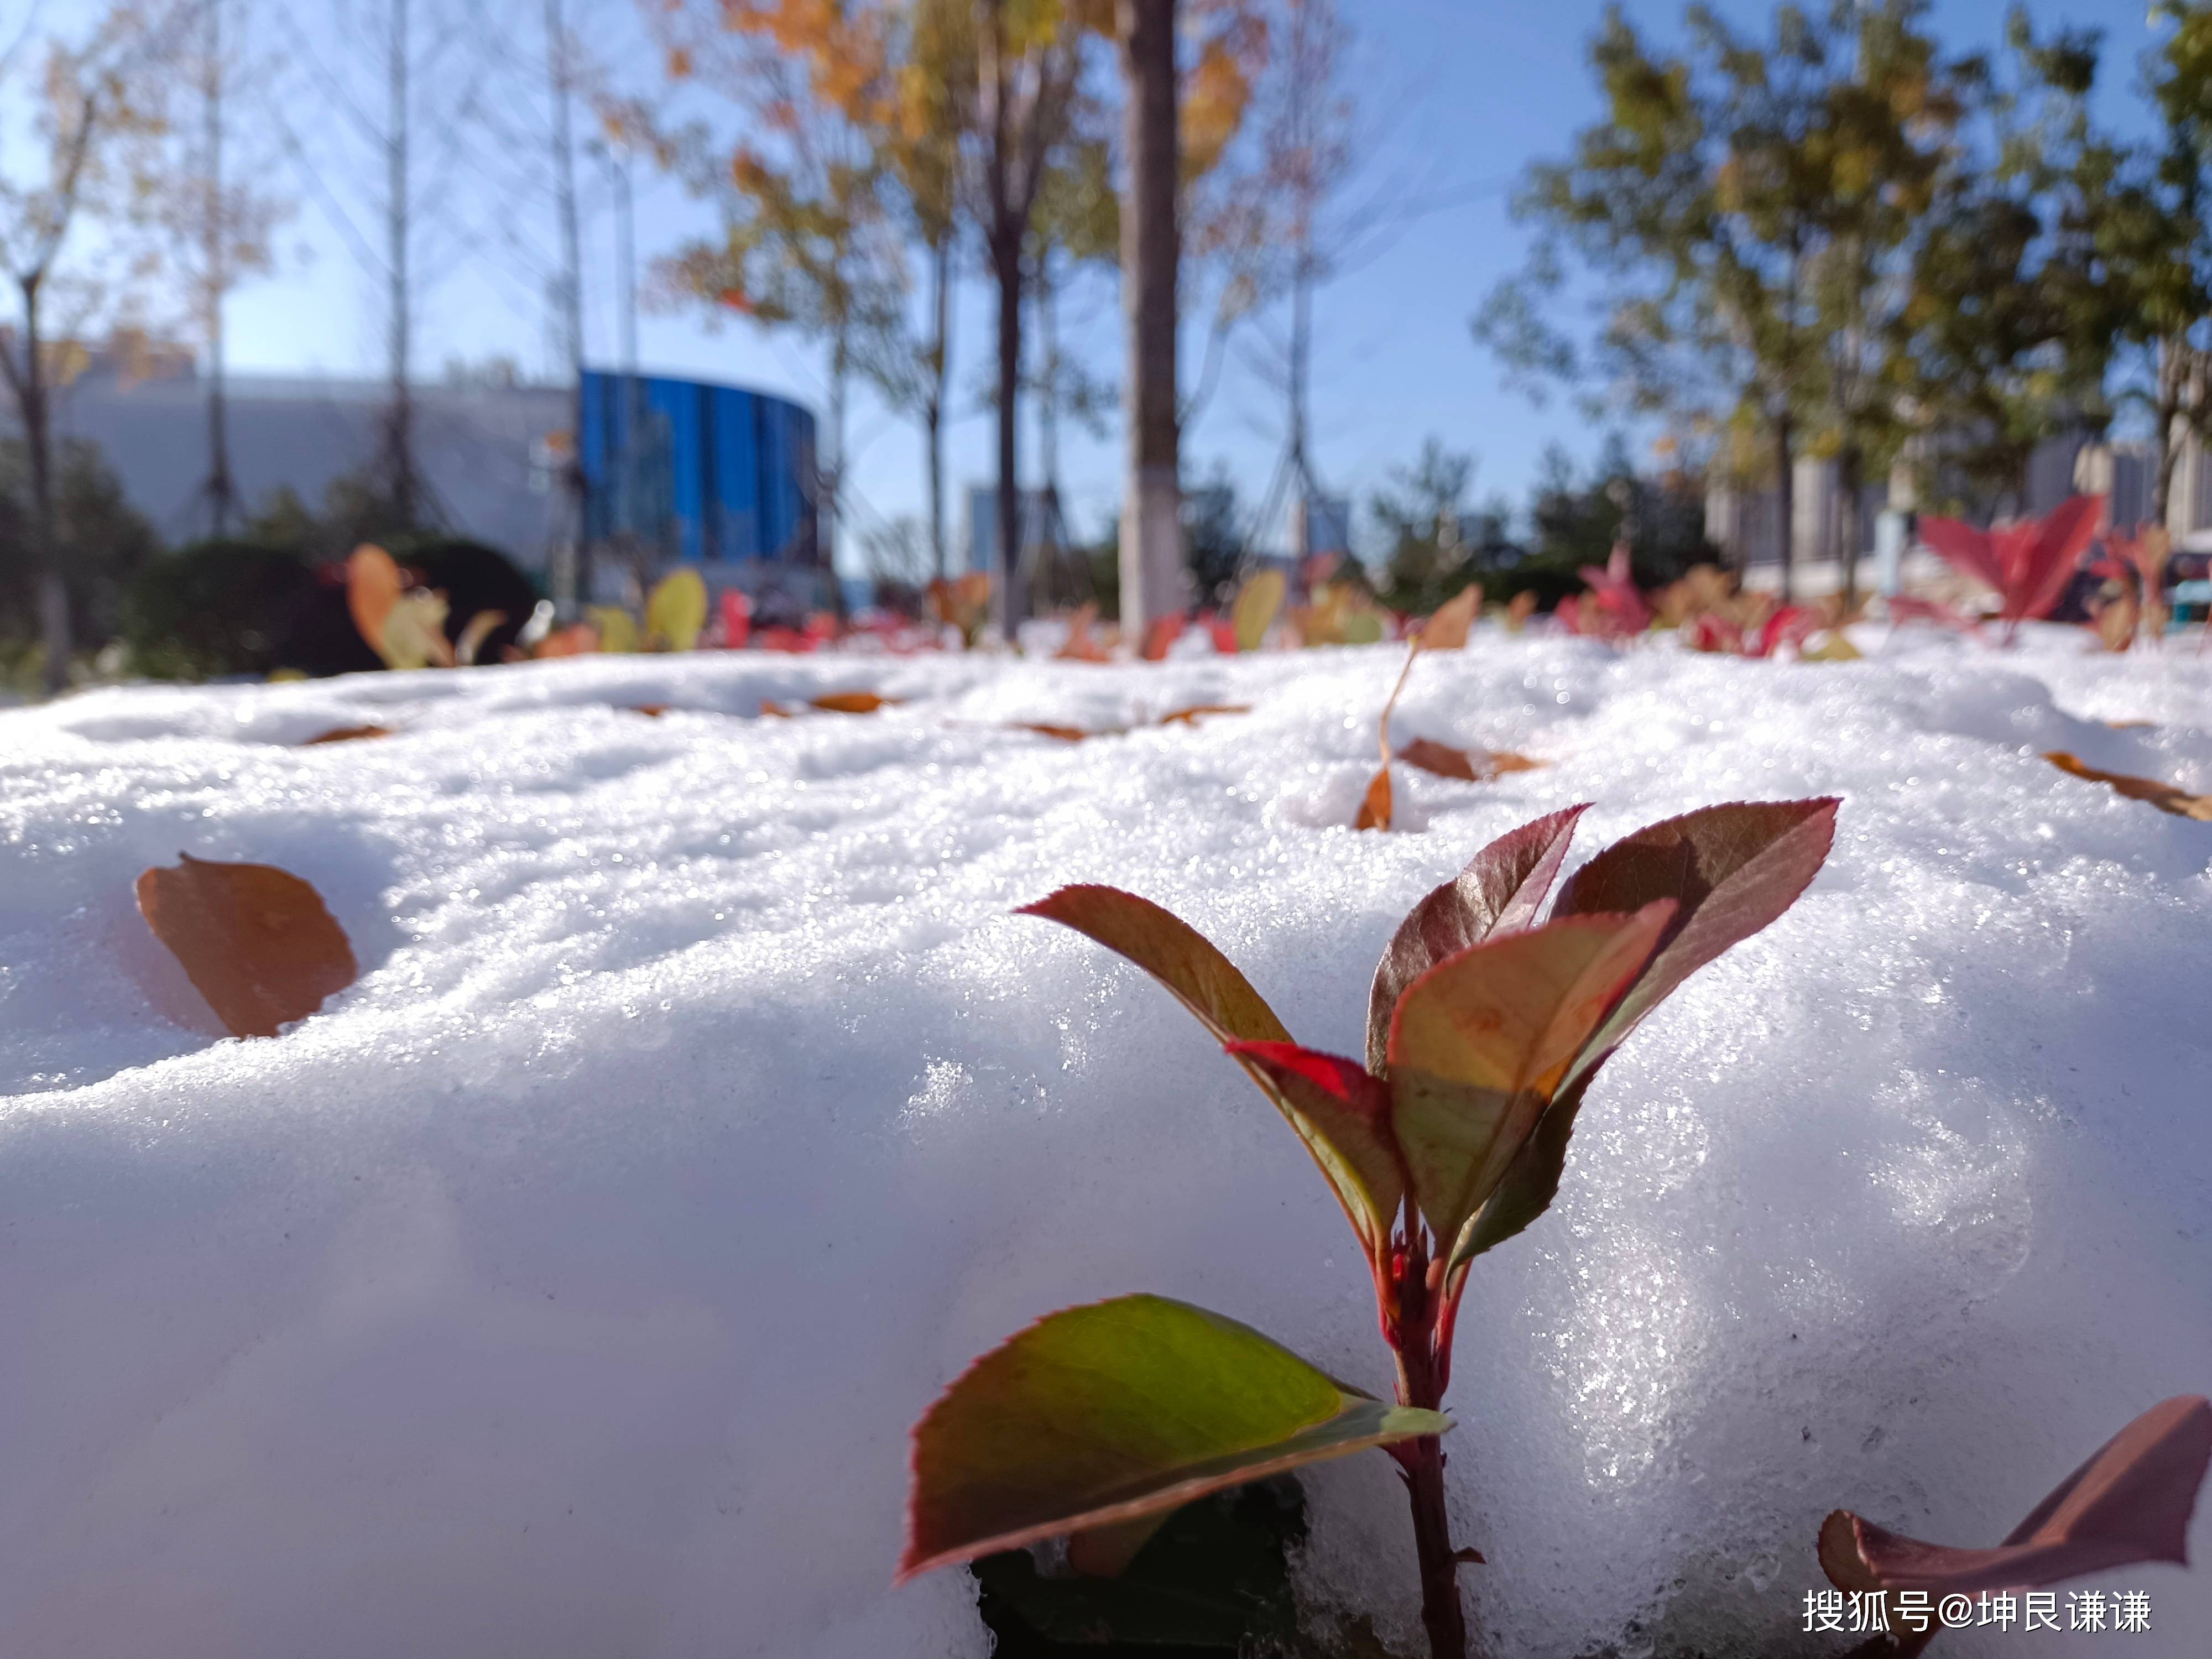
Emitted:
<point x="1100" y="1414"/>
<point x="1173" y="952"/>
<point x="1479" y="1043"/>
<point x="1502" y="889"/>
<point x="1343" y="1115"/>
<point x="2130" y="1503"/>
<point x="1731" y="870"/>
<point x="1337" y="1117"/>
<point x="254" y="941"/>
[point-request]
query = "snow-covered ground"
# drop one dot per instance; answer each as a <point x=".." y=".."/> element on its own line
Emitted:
<point x="566" y="1287"/>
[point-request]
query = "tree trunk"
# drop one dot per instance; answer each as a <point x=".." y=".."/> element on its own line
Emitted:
<point x="1151" y="513"/>
<point x="222" y="489"/>
<point x="2171" y="367"/>
<point x="830" y="477"/>
<point x="1850" y="530"/>
<point x="1785" y="497"/>
<point x="400" y="479"/>
<point x="39" y="451"/>
<point x="933" y="412"/>
<point x="1007" y="265"/>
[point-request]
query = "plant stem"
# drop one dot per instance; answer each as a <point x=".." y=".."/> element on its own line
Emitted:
<point x="1440" y="1604"/>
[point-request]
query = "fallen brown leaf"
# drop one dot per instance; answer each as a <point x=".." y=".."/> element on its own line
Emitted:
<point x="255" y="941"/>
<point x="2163" y="796"/>
<point x="1064" y="734"/>
<point x="348" y="734"/>
<point x="1190" y="716"/>
<point x="1474" y="766"/>
<point x="2131" y="726"/>
<point x="1375" y="806"/>
<point x="1443" y="761"/>
<point x="773" y="711"/>
<point x="851" y="702"/>
<point x="650" y="710"/>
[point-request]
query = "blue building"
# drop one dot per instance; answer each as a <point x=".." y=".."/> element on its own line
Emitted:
<point x="716" y="476"/>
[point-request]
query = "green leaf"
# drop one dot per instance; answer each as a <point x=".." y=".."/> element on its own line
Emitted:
<point x="1480" y="1042"/>
<point x="1101" y="1413"/>
<point x="1731" y="870"/>
<point x="1343" y="1115"/>
<point x="1501" y="889"/>
<point x="1341" y="1122"/>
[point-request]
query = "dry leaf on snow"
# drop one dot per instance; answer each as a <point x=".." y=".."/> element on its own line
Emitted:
<point x="2163" y="796"/>
<point x="255" y="941"/>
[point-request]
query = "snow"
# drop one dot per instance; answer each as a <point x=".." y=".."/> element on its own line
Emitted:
<point x="567" y="1287"/>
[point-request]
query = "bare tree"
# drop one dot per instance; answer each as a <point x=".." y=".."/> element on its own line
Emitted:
<point x="217" y="218"/>
<point x="400" y="89"/>
<point x="93" y="155"/>
<point x="1026" y="81"/>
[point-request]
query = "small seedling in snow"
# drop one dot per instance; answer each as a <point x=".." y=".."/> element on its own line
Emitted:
<point x="1447" y="630"/>
<point x="1485" y="1028"/>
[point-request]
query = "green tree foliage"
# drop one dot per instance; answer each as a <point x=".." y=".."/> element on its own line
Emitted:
<point x="2007" y="332"/>
<point x="2151" y="211"/>
<point x="100" y="541"/>
<point x="214" y="608"/>
<point x="1434" y="543"/>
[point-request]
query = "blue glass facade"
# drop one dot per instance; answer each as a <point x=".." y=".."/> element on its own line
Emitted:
<point x="712" y="473"/>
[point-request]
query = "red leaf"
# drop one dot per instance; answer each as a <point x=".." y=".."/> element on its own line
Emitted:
<point x="255" y="941"/>
<point x="1173" y="952"/>
<point x="1161" y="633"/>
<point x="1731" y="869"/>
<point x="1500" y="890"/>
<point x="1342" y="1113"/>
<point x="1964" y="548"/>
<point x="2129" y="1502"/>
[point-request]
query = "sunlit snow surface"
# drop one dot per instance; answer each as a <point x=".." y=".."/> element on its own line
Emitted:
<point x="566" y="1287"/>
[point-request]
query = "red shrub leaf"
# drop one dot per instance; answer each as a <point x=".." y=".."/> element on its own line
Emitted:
<point x="1731" y="870"/>
<point x="1501" y="889"/>
<point x="1480" y="1042"/>
<point x="1342" y="1113"/>
<point x="2129" y="1502"/>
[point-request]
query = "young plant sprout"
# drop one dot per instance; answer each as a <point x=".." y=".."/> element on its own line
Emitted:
<point x="1485" y="1028"/>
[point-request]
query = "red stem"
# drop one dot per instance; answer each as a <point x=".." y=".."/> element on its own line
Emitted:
<point x="1423" y="1335"/>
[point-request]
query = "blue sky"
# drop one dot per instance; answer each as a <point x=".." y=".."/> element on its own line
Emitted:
<point x="1462" y="94"/>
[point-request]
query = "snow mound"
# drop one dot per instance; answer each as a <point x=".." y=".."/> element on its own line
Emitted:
<point x="566" y="1287"/>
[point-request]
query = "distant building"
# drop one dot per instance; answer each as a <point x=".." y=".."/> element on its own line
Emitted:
<point x="1320" y="524"/>
<point x="980" y="535"/>
<point x="1744" y="522"/>
<point x="726" y="482"/>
